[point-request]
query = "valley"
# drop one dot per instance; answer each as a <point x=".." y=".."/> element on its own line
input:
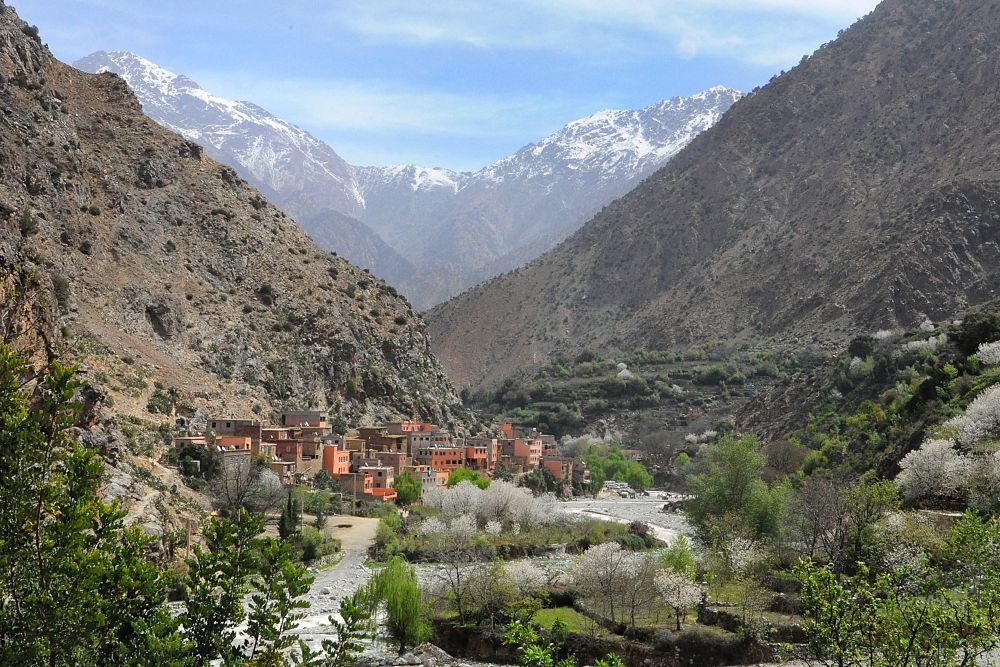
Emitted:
<point x="709" y="381"/>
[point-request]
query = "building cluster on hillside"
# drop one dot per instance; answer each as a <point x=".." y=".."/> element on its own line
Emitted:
<point x="367" y="460"/>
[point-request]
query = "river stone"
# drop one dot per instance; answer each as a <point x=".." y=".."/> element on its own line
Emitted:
<point x="324" y="591"/>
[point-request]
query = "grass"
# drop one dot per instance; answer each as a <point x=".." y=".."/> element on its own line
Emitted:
<point x="574" y="620"/>
<point x="333" y="561"/>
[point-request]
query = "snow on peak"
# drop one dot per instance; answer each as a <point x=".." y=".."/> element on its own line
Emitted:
<point x="142" y="74"/>
<point x="411" y="176"/>
<point x="272" y="153"/>
<point x="618" y="143"/>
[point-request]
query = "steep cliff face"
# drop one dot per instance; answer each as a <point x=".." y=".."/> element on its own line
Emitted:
<point x="164" y="257"/>
<point x="856" y="192"/>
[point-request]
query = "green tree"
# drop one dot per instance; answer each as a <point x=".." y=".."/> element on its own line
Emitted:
<point x="276" y="604"/>
<point x="408" y="488"/>
<point x="395" y="587"/>
<point x="288" y="522"/>
<point x="75" y="588"/>
<point x="679" y="556"/>
<point x="611" y="463"/>
<point x="350" y="629"/>
<point x="465" y="475"/>
<point x="941" y="612"/>
<point x="730" y="483"/>
<point x="216" y="583"/>
<point x="535" y="650"/>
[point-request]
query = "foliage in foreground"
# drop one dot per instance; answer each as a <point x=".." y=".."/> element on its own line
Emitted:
<point x="77" y="588"/>
<point x="917" y="614"/>
<point x="534" y="650"/>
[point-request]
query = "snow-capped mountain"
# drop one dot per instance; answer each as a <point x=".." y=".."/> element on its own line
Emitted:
<point x="279" y="158"/>
<point x="432" y="231"/>
<point x="616" y="144"/>
<point x="522" y="205"/>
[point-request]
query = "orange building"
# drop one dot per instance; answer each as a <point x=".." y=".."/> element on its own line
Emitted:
<point x="385" y="495"/>
<point x="441" y="459"/>
<point x="289" y="450"/>
<point x="382" y="476"/>
<point x="336" y="461"/>
<point x="412" y="426"/>
<point x="356" y="484"/>
<point x="560" y="467"/>
<point x="528" y="452"/>
<point x="477" y="457"/>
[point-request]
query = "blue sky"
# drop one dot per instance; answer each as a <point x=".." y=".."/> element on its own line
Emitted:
<point x="451" y="83"/>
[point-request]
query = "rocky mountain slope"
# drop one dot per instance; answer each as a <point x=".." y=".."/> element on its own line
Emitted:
<point x="859" y="191"/>
<point x="430" y="231"/>
<point x="168" y="267"/>
<point x="293" y="169"/>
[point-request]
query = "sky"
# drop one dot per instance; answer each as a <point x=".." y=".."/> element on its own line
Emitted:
<point x="449" y="83"/>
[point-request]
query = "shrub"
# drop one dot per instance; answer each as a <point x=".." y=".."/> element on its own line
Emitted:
<point x="28" y="224"/>
<point x="265" y="294"/>
<point x="313" y="544"/>
<point x="975" y="330"/>
<point x="62" y="291"/>
<point x="32" y="32"/>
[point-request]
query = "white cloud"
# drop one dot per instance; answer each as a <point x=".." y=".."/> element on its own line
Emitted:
<point x="761" y="32"/>
<point x="393" y="107"/>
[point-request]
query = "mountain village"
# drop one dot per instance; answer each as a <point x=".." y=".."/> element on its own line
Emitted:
<point x="710" y="381"/>
<point x="366" y="461"/>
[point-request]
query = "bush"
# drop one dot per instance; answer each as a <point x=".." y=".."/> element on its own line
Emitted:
<point x="975" y="330"/>
<point x="62" y="291"/>
<point x="265" y="294"/>
<point x="313" y="544"/>
<point x="28" y="224"/>
<point x="160" y="402"/>
<point x="32" y="32"/>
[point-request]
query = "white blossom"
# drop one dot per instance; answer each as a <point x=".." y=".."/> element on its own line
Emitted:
<point x="989" y="353"/>
<point x="433" y="497"/>
<point x="929" y="344"/>
<point x="742" y="554"/>
<point x="462" y="527"/>
<point x="885" y="334"/>
<point x="493" y="527"/>
<point x="461" y="500"/>
<point x="935" y="470"/>
<point x="677" y="589"/>
<point x="525" y="576"/>
<point x="432" y="526"/>
<point x="981" y="419"/>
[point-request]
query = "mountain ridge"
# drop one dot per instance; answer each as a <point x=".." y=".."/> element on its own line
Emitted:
<point x="434" y="231"/>
<point x="852" y="192"/>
